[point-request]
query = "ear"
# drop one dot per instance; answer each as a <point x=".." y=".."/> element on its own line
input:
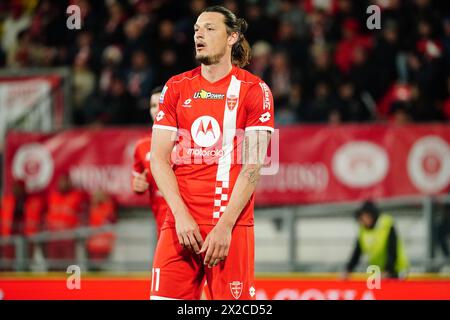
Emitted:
<point x="233" y="38"/>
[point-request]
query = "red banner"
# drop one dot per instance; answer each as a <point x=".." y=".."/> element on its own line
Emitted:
<point x="347" y="163"/>
<point x="316" y="163"/>
<point x="125" y="288"/>
<point x="95" y="160"/>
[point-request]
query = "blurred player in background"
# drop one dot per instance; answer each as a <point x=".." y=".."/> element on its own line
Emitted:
<point x="210" y="230"/>
<point x="20" y="214"/>
<point x="102" y="211"/>
<point x="67" y="208"/>
<point x="379" y="240"/>
<point x="142" y="177"/>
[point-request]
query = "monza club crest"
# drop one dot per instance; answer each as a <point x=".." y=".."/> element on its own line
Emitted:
<point x="236" y="289"/>
<point x="232" y="102"/>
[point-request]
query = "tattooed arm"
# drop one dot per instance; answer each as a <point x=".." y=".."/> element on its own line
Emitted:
<point x="218" y="240"/>
<point x="254" y="151"/>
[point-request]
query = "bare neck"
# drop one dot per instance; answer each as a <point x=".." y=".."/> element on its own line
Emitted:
<point x="217" y="71"/>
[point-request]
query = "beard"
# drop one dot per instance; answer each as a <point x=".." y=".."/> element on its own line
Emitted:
<point x="210" y="60"/>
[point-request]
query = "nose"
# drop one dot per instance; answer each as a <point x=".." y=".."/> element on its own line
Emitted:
<point x="198" y="34"/>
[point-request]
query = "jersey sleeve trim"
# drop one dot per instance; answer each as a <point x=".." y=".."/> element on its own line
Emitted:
<point x="159" y="126"/>
<point x="254" y="128"/>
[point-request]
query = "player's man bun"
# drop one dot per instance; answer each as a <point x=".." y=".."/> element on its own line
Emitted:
<point x="241" y="52"/>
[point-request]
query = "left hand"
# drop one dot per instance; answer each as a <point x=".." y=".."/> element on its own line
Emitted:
<point x="216" y="245"/>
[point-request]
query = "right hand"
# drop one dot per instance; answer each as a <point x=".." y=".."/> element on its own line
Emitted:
<point x="188" y="232"/>
<point x="140" y="183"/>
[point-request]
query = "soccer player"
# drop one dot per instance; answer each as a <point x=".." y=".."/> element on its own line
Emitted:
<point x="142" y="177"/>
<point x="220" y="118"/>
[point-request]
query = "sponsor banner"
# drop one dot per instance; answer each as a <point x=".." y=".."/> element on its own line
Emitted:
<point x="349" y="163"/>
<point x="307" y="289"/>
<point x="94" y="159"/>
<point x="316" y="163"/>
<point x="125" y="288"/>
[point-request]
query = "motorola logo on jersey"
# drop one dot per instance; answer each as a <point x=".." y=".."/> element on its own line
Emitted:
<point x="205" y="131"/>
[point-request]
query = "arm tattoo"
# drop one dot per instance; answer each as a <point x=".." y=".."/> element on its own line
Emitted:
<point x="252" y="174"/>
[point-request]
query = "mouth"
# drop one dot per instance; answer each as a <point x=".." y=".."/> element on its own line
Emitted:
<point x="200" y="46"/>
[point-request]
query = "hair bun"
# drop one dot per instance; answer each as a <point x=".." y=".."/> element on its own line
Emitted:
<point x="243" y="25"/>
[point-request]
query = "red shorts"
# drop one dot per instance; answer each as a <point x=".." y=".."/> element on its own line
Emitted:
<point x="180" y="274"/>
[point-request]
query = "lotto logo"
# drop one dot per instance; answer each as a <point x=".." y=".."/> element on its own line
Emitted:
<point x="265" y="117"/>
<point x="160" y="115"/>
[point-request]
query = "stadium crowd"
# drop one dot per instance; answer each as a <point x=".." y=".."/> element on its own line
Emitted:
<point x="322" y="62"/>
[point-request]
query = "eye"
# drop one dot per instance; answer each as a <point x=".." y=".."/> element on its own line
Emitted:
<point x="209" y="29"/>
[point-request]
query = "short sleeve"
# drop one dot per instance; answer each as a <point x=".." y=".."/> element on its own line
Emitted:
<point x="166" y="118"/>
<point x="259" y="106"/>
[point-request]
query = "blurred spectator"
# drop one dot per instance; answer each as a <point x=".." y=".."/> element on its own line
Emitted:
<point x="288" y="113"/>
<point x="134" y="39"/>
<point x="84" y="81"/>
<point x="260" y="26"/>
<point x="288" y="42"/>
<point x="387" y="55"/>
<point x="291" y="11"/>
<point x="320" y="69"/>
<point x="364" y="74"/>
<point x="352" y="40"/>
<point x="423" y="109"/>
<point x="185" y="26"/>
<point x="169" y="53"/>
<point x="325" y="42"/>
<point x="111" y="59"/>
<point x="20" y="214"/>
<point x="349" y="105"/>
<point x="400" y="113"/>
<point x="261" y="54"/>
<point x="102" y="212"/>
<point x="320" y="107"/>
<point x="114" y="107"/>
<point x="140" y="79"/>
<point x="85" y="48"/>
<point x="113" y="29"/>
<point x="14" y="23"/>
<point x="280" y="77"/>
<point x="66" y="211"/>
<point x="379" y="240"/>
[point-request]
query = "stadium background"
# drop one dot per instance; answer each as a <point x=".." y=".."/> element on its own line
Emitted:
<point x="75" y="102"/>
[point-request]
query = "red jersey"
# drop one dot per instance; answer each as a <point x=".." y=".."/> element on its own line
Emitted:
<point x="210" y="119"/>
<point x="141" y="162"/>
